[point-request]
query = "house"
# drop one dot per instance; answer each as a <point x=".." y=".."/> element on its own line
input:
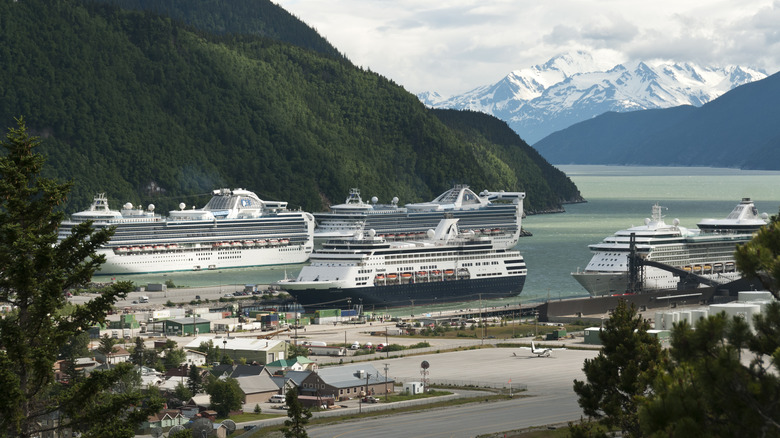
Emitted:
<point x="255" y="381"/>
<point x="346" y="381"/>
<point x="300" y="363"/>
<point x="196" y="405"/>
<point x="236" y="371"/>
<point x="118" y="355"/>
<point x="82" y="365"/>
<point x="195" y="357"/>
<point x="262" y="351"/>
<point x="290" y="379"/>
<point x="165" y="419"/>
<point x="257" y="389"/>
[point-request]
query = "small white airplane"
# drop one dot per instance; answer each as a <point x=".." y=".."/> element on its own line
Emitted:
<point x="540" y="352"/>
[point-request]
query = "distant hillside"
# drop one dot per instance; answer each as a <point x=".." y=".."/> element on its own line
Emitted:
<point x="739" y="129"/>
<point x="150" y="110"/>
<point x="544" y="180"/>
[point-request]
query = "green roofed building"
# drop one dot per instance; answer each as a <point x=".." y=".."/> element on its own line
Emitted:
<point x="186" y="326"/>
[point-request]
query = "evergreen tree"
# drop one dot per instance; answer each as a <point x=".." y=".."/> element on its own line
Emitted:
<point x="622" y="371"/>
<point x="295" y="427"/>
<point x="761" y="256"/>
<point x="139" y="352"/>
<point x="224" y="395"/>
<point x="195" y="380"/>
<point x="721" y="378"/>
<point x="35" y="273"/>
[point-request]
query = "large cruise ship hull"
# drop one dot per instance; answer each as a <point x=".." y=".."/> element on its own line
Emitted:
<point x="196" y="259"/>
<point x="614" y="283"/>
<point x="235" y="229"/>
<point x="411" y="294"/>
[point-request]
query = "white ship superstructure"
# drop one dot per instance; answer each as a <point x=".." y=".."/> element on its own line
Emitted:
<point x="444" y="266"/>
<point x="235" y="229"/>
<point x="494" y="214"/>
<point x="707" y="251"/>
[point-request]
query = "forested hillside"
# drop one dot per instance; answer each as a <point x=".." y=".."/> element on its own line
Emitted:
<point x="149" y="110"/>
<point x="249" y="17"/>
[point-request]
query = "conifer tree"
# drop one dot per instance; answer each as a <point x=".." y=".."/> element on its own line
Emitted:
<point x="621" y="373"/>
<point x="35" y="273"/>
<point x="299" y="416"/>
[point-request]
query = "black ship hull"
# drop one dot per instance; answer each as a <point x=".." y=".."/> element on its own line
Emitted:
<point x="410" y="294"/>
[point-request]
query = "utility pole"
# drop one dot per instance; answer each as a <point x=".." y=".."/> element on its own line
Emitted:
<point x="387" y="351"/>
<point x="386" y="391"/>
<point x="481" y="321"/>
<point x="360" y="404"/>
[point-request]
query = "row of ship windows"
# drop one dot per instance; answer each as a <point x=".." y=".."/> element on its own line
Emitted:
<point x="446" y="259"/>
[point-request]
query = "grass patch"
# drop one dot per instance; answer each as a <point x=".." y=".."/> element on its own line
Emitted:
<point x="251" y="416"/>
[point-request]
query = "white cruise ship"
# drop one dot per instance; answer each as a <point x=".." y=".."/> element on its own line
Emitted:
<point x="444" y="266"/>
<point x="235" y="229"/>
<point x="707" y="251"/>
<point x="494" y="214"/>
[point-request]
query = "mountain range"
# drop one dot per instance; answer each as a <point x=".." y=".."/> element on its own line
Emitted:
<point x="739" y="129"/>
<point x="574" y="87"/>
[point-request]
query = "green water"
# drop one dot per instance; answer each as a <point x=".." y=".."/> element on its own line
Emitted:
<point x="618" y="197"/>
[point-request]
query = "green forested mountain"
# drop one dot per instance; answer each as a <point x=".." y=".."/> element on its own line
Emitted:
<point x="149" y="110"/>
<point x="249" y="17"/>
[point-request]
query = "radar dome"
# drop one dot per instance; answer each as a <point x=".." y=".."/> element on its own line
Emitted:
<point x="182" y="206"/>
<point x="128" y="206"/>
<point x="374" y="199"/>
<point x="371" y="232"/>
<point x="676" y="222"/>
<point x="150" y="207"/>
<point x="764" y="216"/>
<point x="395" y="200"/>
<point x="430" y="233"/>
<point x="647" y="220"/>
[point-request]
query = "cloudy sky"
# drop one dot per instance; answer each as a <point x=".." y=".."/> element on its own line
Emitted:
<point x="453" y="46"/>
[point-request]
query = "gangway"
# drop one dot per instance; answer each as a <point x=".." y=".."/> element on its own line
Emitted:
<point x="272" y="334"/>
<point x="636" y="264"/>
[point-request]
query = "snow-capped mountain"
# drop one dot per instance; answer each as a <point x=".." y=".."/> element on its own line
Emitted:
<point x="570" y="88"/>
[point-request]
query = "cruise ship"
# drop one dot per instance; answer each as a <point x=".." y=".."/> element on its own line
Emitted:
<point x="494" y="214"/>
<point x="444" y="266"/>
<point x="235" y="229"/>
<point x="707" y="251"/>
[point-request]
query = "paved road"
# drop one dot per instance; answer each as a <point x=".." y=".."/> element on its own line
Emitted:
<point x="461" y="421"/>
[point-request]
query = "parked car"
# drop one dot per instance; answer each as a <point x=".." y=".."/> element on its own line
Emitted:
<point x="370" y="399"/>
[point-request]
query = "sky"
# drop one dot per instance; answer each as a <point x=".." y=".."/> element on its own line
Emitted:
<point x="454" y="46"/>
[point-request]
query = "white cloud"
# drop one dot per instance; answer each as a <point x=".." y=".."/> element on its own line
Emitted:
<point x="454" y="46"/>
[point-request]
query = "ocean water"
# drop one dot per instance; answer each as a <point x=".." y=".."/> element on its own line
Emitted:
<point x="617" y="197"/>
